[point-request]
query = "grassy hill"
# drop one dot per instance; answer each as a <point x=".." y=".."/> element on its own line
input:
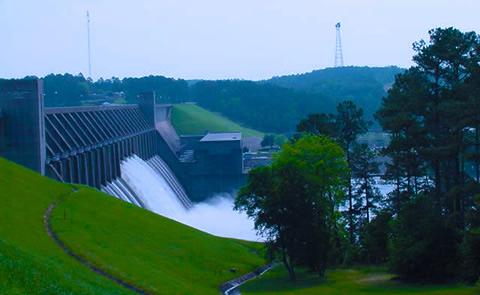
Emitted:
<point x="152" y="252"/>
<point x="358" y="281"/>
<point x="193" y="119"/>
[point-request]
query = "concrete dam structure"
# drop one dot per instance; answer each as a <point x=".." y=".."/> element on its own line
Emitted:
<point x="89" y="144"/>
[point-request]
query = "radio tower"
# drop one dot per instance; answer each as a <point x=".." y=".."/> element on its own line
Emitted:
<point x="88" y="44"/>
<point x="338" y="48"/>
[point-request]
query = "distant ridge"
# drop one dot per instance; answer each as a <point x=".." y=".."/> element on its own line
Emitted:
<point x="311" y="81"/>
<point x="364" y="85"/>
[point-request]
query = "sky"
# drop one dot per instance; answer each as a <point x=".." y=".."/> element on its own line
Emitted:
<point x="216" y="39"/>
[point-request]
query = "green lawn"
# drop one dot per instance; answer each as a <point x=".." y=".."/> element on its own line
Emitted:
<point x="357" y="281"/>
<point x="191" y="119"/>
<point x="154" y="253"/>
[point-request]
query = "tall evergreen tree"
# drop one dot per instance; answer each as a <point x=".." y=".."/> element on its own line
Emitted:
<point x="426" y="111"/>
<point x="349" y="124"/>
<point x="432" y="112"/>
<point x="365" y="169"/>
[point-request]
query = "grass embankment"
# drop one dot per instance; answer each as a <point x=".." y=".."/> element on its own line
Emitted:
<point x="30" y="262"/>
<point x="152" y="252"/>
<point x="155" y="253"/>
<point x="357" y="281"/>
<point x="191" y="119"/>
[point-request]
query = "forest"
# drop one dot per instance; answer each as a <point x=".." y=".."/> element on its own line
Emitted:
<point x="319" y="203"/>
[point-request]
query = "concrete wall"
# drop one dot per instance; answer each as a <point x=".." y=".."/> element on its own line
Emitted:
<point x="217" y="169"/>
<point x="23" y="139"/>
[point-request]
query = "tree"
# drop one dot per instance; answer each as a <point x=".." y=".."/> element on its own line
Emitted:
<point x="364" y="169"/>
<point x="65" y="90"/>
<point x="344" y="127"/>
<point x="429" y="113"/>
<point x="268" y="140"/>
<point x="432" y="113"/>
<point x="293" y="201"/>
<point x="374" y="238"/>
<point x="471" y="245"/>
<point x="350" y="124"/>
<point x="318" y="124"/>
<point x="400" y="115"/>
<point x="424" y="245"/>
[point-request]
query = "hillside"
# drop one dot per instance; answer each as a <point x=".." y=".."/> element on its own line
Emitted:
<point x="193" y="119"/>
<point x="364" y="85"/>
<point x="152" y="252"/>
<point x="261" y="106"/>
<point x="326" y="80"/>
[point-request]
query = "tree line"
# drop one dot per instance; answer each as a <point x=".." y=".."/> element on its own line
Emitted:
<point x="319" y="206"/>
<point x="272" y="106"/>
<point x="261" y="106"/>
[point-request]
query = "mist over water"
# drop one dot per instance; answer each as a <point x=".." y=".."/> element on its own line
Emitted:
<point x="215" y="216"/>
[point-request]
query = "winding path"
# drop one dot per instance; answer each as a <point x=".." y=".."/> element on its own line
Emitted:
<point x="82" y="260"/>
<point x="231" y="287"/>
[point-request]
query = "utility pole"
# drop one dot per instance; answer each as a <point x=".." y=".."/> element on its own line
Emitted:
<point x="88" y="44"/>
<point x="338" y="47"/>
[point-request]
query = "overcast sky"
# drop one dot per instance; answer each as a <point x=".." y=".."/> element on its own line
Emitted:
<point x="211" y="39"/>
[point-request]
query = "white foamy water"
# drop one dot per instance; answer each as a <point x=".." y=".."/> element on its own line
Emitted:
<point x="154" y="191"/>
<point x="215" y="216"/>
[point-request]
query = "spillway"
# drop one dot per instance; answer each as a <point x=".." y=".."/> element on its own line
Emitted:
<point x="159" y="165"/>
<point x="142" y="185"/>
<point x="152" y="185"/>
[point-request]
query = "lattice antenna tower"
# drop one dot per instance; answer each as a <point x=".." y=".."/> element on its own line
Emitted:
<point x="338" y="47"/>
<point x="88" y="45"/>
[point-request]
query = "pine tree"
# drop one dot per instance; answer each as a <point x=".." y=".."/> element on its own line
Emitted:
<point x="349" y="124"/>
<point x="365" y="169"/>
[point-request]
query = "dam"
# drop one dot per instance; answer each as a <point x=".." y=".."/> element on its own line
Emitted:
<point x="96" y="145"/>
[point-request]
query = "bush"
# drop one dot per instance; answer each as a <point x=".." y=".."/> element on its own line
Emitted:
<point x="471" y="255"/>
<point x="423" y="244"/>
<point x="374" y="239"/>
<point x="471" y="244"/>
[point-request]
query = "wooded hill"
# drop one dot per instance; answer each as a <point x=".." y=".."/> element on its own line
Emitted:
<point x="274" y="105"/>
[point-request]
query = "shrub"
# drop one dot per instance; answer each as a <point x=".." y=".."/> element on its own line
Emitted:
<point x="423" y="244"/>
<point x="471" y="255"/>
<point x="471" y="244"/>
<point x="374" y="239"/>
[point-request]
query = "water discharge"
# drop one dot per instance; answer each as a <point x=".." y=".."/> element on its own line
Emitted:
<point x="215" y="216"/>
